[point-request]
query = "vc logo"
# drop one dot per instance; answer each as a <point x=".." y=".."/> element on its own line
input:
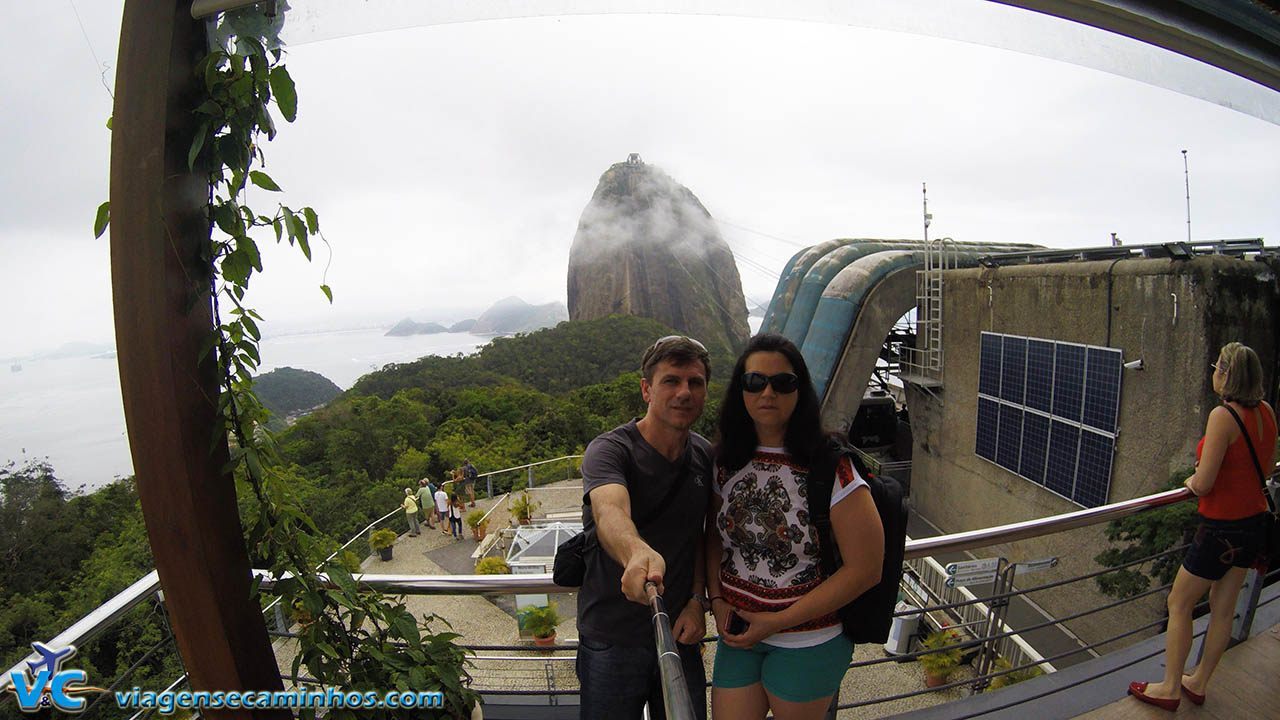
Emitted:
<point x="45" y="684"/>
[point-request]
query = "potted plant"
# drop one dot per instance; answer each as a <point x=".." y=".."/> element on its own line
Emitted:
<point x="493" y="566"/>
<point x="522" y="507"/>
<point x="478" y="523"/>
<point x="382" y="541"/>
<point x="939" y="665"/>
<point x="541" y="622"/>
<point x="1014" y="677"/>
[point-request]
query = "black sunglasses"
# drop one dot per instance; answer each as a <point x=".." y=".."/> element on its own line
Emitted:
<point x="754" y="382"/>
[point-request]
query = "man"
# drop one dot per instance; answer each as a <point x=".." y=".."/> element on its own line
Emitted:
<point x="469" y="476"/>
<point x="654" y="473"/>
<point x="427" y="500"/>
<point x="442" y="508"/>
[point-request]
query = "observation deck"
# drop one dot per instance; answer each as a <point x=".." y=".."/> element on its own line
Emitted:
<point x="515" y="680"/>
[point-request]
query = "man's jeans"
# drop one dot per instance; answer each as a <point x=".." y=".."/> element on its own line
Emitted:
<point x="617" y="681"/>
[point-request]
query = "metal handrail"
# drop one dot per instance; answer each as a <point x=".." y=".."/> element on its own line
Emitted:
<point x="109" y="612"/>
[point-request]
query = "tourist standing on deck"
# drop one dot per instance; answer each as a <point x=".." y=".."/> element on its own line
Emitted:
<point x="442" y="509"/>
<point x="782" y="646"/>
<point x="411" y="511"/>
<point x="654" y="470"/>
<point x="427" y="500"/>
<point x="455" y="516"/>
<point x="469" y="476"/>
<point x="1230" y="537"/>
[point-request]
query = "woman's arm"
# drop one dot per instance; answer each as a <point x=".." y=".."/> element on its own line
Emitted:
<point x="1219" y="432"/>
<point x="713" y="554"/>
<point x="860" y="537"/>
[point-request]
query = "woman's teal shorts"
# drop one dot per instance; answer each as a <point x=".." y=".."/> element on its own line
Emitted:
<point x="793" y="674"/>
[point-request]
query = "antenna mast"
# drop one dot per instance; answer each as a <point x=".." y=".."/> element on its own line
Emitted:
<point x="1186" y="176"/>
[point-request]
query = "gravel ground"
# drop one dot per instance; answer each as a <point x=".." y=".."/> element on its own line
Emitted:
<point x="488" y="620"/>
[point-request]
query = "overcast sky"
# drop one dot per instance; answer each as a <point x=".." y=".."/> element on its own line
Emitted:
<point x="450" y="163"/>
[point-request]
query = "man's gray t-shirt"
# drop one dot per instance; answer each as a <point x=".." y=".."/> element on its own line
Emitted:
<point x="623" y="456"/>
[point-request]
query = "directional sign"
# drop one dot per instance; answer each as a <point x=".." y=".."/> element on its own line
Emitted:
<point x="970" y="579"/>
<point x="1036" y="565"/>
<point x="969" y="567"/>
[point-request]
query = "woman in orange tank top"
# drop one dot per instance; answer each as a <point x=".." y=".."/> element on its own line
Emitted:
<point x="1229" y="539"/>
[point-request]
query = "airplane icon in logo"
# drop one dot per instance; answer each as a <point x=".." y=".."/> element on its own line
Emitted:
<point x="51" y="659"/>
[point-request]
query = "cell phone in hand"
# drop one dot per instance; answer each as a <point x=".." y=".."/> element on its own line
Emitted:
<point x="736" y="625"/>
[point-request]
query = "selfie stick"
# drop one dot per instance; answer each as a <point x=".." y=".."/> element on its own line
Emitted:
<point x="675" y="693"/>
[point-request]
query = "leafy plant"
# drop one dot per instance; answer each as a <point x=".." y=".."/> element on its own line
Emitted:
<point x="945" y="660"/>
<point x="541" y="622"/>
<point x="1014" y="677"/>
<point x="357" y="639"/>
<point x="1146" y="534"/>
<point x="382" y="538"/>
<point x="523" y="506"/>
<point x="492" y="566"/>
<point x="476" y="519"/>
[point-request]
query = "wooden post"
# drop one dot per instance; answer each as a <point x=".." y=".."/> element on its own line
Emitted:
<point x="158" y="231"/>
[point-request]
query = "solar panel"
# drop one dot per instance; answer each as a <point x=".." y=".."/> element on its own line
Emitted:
<point x="1013" y="369"/>
<point x="1039" y="374"/>
<point x="1102" y="388"/>
<point x="1035" y="447"/>
<point x="1060" y="470"/>
<point x="1068" y="381"/>
<point x="1093" y="475"/>
<point x="1009" y="438"/>
<point x="1049" y="412"/>
<point x="988" y="416"/>
<point x="989" y="365"/>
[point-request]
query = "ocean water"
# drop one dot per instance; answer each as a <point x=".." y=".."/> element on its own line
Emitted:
<point x="68" y="411"/>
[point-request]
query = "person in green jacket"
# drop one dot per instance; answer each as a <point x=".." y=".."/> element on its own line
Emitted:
<point x="426" y="500"/>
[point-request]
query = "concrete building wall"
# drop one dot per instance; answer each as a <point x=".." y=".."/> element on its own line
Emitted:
<point x="1173" y="315"/>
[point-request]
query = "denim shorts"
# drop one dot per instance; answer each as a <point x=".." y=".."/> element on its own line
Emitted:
<point x="1220" y="545"/>
<point x="794" y="674"/>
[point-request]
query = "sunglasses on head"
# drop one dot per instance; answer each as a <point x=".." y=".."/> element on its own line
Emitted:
<point x="754" y="382"/>
<point x="664" y="340"/>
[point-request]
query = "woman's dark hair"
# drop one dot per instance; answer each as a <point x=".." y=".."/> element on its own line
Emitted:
<point x="736" y="439"/>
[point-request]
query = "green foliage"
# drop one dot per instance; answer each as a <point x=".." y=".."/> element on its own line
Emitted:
<point x="1014" y="677"/>
<point x="475" y="518"/>
<point x="1145" y="534"/>
<point x="541" y="622"/>
<point x="285" y="390"/>
<point x="942" y="663"/>
<point x="523" y="507"/>
<point x="383" y="538"/>
<point x="492" y="566"/>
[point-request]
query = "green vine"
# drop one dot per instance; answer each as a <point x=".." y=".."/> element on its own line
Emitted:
<point x="354" y="637"/>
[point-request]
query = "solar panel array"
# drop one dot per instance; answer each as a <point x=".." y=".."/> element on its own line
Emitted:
<point x="1049" y="412"/>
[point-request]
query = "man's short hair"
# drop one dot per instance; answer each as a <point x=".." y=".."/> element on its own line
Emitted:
<point x="677" y="350"/>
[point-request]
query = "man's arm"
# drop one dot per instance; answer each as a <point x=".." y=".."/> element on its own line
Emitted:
<point x="691" y="625"/>
<point x="611" y="509"/>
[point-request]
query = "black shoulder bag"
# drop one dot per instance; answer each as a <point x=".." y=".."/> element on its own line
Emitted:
<point x="570" y="565"/>
<point x="1271" y="532"/>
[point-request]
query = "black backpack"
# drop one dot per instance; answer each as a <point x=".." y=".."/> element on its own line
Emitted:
<point x="867" y="618"/>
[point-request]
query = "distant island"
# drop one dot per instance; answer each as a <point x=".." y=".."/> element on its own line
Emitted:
<point x="290" y="393"/>
<point x="507" y="316"/>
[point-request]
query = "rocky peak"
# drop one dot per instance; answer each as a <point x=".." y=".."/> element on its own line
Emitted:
<point x="646" y="246"/>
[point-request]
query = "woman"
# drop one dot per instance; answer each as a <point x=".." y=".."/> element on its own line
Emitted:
<point x="455" y="516"/>
<point x="1229" y="538"/>
<point x="411" y="511"/>
<point x="762" y="555"/>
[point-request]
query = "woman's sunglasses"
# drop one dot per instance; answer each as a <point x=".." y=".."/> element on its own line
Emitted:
<point x="754" y="382"/>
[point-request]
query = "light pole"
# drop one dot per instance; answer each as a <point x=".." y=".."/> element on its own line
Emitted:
<point x="1186" y="176"/>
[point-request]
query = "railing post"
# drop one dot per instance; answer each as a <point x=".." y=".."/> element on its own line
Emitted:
<point x="529" y="484"/>
<point x="489" y="481"/>
<point x="1246" y="604"/>
<point x="280" y="626"/>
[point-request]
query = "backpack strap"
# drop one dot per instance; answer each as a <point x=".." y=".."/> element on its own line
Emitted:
<point x="818" y="485"/>
<point x="1252" y="453"/>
